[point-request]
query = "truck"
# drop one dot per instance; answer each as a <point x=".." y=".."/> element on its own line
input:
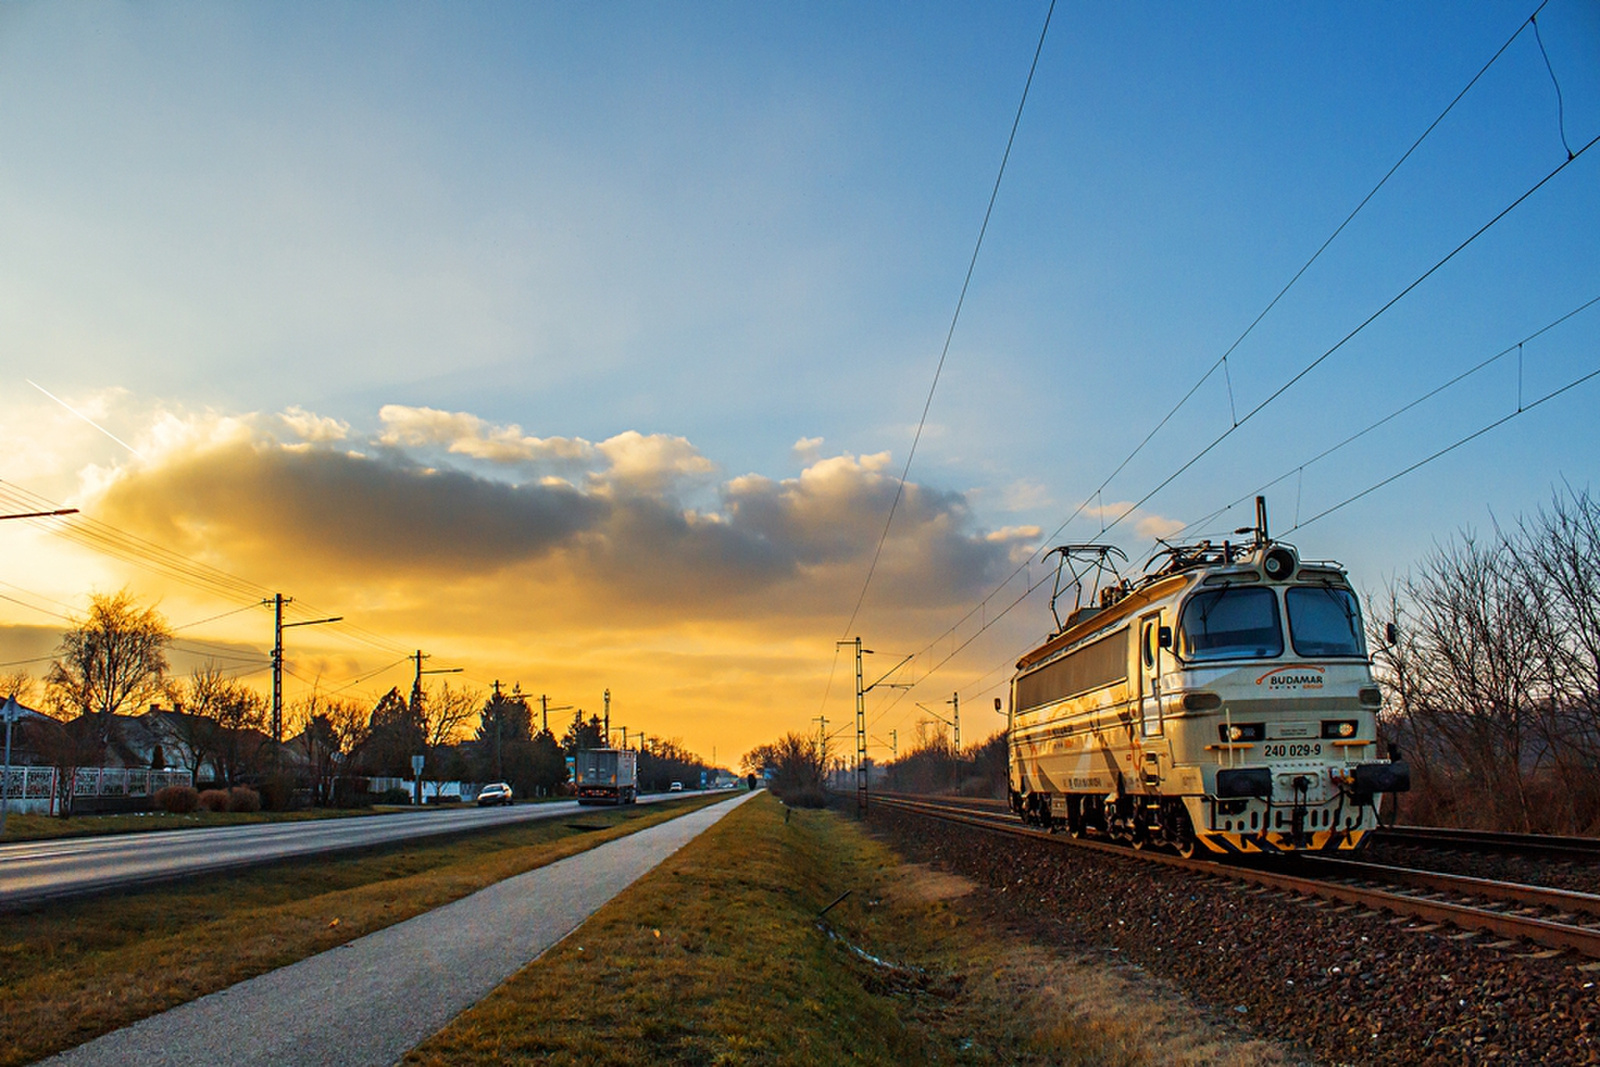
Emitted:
<point x="606" y="776"/>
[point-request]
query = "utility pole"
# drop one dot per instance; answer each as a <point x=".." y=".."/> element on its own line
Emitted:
<point x="955" y="700"/>
<point x="624" y="737"/>
<point x="499" y="716"/>
<point x="605" y="737"/>
<point x="861" y="737"/>
<point x="861" y="717"/>
<point x="545" y="708"/>
<point x="822" y="732"/>
<point x="278" y="626"/>
<point x="416" y="684"/>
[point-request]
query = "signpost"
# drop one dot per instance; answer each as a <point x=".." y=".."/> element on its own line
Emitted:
<point x="416" y="772"/>
<point x="9" y="712"/>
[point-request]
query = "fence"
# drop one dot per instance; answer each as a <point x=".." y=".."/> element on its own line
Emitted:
<point x="35" y="788"/>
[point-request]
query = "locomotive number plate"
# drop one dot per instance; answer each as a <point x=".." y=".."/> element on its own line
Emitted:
<point x="1292" y="750"/>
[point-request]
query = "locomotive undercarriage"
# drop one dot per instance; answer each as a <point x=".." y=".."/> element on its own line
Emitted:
<point x="1227" y="827"/>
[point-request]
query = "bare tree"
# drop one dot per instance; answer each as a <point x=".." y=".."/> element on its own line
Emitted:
<point x="20" y="684"/>
<point x="445" y="714"/>
<point x="798" y="765"/>
<point x="192" y="726"/>
<point x="332" y="731"/>
<point x="1493" y="686"/>
<point x="115" y="657"/>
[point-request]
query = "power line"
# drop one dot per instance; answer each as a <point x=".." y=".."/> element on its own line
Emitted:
<point x="1401" y="410"/>
<point x="1221" y="360"/>
<point x="1474" y="435"/>
<point x="900" y="487"/>
<point x="1396" y="413"/>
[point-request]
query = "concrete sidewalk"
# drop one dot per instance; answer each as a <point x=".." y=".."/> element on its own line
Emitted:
<point x="369" y="1001"/>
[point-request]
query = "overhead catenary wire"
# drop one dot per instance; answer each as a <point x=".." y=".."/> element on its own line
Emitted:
<point x="1522" y="407"/>
<point x="981" y="606"/>
<point x="966" y="283"/>
<point x="1455" y="380"/>
<point x="1251" y="413"/>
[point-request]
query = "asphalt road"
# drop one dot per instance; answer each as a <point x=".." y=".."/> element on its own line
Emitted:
<point x="367" y="1002"/>
<point x="31" y="871"/>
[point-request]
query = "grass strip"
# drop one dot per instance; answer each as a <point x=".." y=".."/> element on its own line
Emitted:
<point x="51" y="827"/>
<point x="72" y="971"/>
<point x="21" y="827"/>
<point x="718" y="957"/>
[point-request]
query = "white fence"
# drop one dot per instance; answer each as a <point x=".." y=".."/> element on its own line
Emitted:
<point x="35" y="789"/>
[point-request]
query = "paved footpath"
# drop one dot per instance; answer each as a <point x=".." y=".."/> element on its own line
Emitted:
<point x="369" y="1001"/>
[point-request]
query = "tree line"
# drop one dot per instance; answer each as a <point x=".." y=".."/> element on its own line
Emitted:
<point x="1492" y="684"/>
<point x="114" y="663"/>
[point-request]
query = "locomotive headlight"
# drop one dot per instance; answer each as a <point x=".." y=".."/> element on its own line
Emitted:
<point x="1235" y="733"/>
<point x="1336" y="728"/>
<point x="1370" y="696"/>
<point x="1201" y="701"/>
<point x="1347" y="729"/>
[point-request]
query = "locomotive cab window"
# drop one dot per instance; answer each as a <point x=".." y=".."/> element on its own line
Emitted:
<point x="1231" y="623"/>
<point x="1324" y="621"/>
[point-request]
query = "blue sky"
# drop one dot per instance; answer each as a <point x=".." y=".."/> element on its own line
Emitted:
<point x="746" y="226"/>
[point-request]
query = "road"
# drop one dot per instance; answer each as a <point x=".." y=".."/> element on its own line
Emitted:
<point x="32" y="871"/>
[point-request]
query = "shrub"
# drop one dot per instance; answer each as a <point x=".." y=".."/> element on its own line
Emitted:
<point x="214" y="800"/>
<point x="243" y="798"/>
<point x="396" y="795"/>
<point x="178" y="799"/>
<point x="277" y="792"/>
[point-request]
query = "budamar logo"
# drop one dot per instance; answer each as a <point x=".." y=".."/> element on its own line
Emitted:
<point x="1296" y="677"/>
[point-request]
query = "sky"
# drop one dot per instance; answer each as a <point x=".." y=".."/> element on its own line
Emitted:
<point x="583" y="346"/>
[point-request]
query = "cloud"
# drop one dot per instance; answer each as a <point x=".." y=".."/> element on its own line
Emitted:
<point x="647" y="526"/>
<point x="808" y="449"/>
<point x="1145" y="523"/>
<point x="652" y="463"/>
<point x="313" y="428"/>
<point x="468" y="435"/>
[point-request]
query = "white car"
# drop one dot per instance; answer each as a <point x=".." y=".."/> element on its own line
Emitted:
<point x="494" y="793"/>
<point x="675" y="787"/>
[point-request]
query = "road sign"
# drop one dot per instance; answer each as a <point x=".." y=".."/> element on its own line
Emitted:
<point x="11" y="711"/>
<point x="416" y="765"/>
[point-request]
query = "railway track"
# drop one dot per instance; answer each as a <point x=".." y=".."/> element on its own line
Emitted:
<point x="1551" y="846"/>
<point x="1516" y="914"/>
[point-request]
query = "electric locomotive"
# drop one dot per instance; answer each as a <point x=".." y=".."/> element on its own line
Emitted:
<point x="1223" y="703"/>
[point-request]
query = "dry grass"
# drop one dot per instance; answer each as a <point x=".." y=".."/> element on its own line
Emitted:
<point x="717" y="958"/>
<point x="70" y="972"/>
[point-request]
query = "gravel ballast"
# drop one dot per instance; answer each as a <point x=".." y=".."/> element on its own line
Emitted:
<point x="1345" y="984"/>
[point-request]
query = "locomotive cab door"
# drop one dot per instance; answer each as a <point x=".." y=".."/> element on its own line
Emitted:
<point x="1150" y="675"/>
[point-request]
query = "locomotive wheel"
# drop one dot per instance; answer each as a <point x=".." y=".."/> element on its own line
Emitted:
<point x="1075" y="821"/>
<point x="1183" y="839"/>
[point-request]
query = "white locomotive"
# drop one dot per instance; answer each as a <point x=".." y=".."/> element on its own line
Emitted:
<point x="1223" y="703"/>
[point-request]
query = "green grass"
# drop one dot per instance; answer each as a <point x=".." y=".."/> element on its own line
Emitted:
<point x="718" y="958"/>
<point x="72" y="971"/>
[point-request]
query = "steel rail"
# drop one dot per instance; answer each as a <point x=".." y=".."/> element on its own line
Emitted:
<point x="1548" y="932"/>
<point x="1490" y="841"/>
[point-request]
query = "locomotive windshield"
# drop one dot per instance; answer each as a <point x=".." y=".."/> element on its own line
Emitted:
<point x="1231" y="624"/>
<point x="1324" y="621"/>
